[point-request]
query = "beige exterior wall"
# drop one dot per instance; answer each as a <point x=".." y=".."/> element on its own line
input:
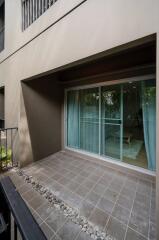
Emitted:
<point x="93" y="27"/>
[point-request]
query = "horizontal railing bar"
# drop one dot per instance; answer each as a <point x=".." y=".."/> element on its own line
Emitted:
<point x="5" y="129"/>
<point x="27" y="226"/>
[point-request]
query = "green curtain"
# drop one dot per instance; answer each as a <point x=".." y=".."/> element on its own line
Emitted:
<point x="149" y="121"/>
<point x="73" y="119"/>
<point x="89" y="120"/>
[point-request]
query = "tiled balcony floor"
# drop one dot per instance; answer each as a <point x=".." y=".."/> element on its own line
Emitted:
<point x="121" y="204"/>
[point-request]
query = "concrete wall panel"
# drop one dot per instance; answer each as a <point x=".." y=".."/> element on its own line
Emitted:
<point x="42" y="104"/>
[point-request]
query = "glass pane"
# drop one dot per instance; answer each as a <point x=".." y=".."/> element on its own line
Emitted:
<point x="73" y="119"/>
<point x="111" y="121"/>
<point x="149" y="121"/>
<point x="89" y="120"/>
<point x="139" y="124"/>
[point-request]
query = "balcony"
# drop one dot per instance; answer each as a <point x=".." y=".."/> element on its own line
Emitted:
<point x="33" y="9"/>
<point x="117" y="204"/>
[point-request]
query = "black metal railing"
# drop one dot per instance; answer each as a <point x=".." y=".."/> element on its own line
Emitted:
<point x="7" y="143"/>
<point x="16" y="220"/>
<point x="33" y="9"/>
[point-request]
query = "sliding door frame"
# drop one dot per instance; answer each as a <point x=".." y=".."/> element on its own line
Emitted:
<point x="99" y="85"/>
<point x="121" y="125"/>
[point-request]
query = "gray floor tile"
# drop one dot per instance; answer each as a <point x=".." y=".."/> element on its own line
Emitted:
<point x="99" y="188"/>
<point x="86" y="209"/>
<point x="115" y="186"/>
<point x="44" y="210"/>
<point x="28" y="196"/>
<point x="69" y="231"/>
<point x="24" y="188"/>
<point x="153" y="202"/>
<point x="139" y="224"/>
<point x="49" y="233"/>
<point x="71" y="175"/>
<point x="115" y="229"/>
<point x="125" y="202"/>
<point x="94" y="177"/>
<point x="92" y="197"/>
<point x="105" y="180"/>
<point x="72" y="185"/>
<point x="105" y="205"/>
<point x="142" y="200"/>
<point x="82" y="191"/>
<point x="153" y="216"/>
<point x="144" y="188"/>
<point x="83" y="236"/>
<point x="99" y="218"/>
<point x="88" y="184"/>
<point x="64" y="181"/>
<point x="57" y="176"/>
<point x="99" y="171"/>
<point x="152" y="231"/>
<point x="111" y="195"/>
<point x="75" y="201"/>
<point x="57" y="188"/>
<point x="141" y="210"/>
<point x="36" y="202"/>
<point x="131" y="185"/>
<point x="56" y="220"/>
<point x="79" y="179"/>
<point x="129" y="193"/>
<point x="55" y="237"/>
<point x="132" y="235"/>
<point x="85" y="173"/>
<point x="37" y="218"/>
<point x="122" y="214"/>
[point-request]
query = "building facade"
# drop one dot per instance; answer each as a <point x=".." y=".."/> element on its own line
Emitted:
<point x="82" y="76"/>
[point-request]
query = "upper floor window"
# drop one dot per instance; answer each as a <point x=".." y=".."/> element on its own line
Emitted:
<point x="33" y="9"/>
<point x="2" y="24"/>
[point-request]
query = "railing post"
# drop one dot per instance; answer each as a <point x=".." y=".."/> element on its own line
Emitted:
<point x="12" y="147"/>
<point x="15" y="231"/>
<point x="4" y="210"/>
<point x="6" y="133"/>
<point x="0" y="152"/>
<point x="11" y="203"/>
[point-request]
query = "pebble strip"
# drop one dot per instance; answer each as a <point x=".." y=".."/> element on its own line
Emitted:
<point x="68" y="211"/>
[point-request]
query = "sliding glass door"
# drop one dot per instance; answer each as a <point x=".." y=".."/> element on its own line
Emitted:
<point x="111" y="121"/>
<point x="83" y="119"/>
<point x="117" y="121"/>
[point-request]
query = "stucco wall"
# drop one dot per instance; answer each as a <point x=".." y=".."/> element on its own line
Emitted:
<point x="42" y="104"/>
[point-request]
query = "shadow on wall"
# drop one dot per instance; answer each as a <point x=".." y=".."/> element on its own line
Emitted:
<point x="41" y="119"/>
